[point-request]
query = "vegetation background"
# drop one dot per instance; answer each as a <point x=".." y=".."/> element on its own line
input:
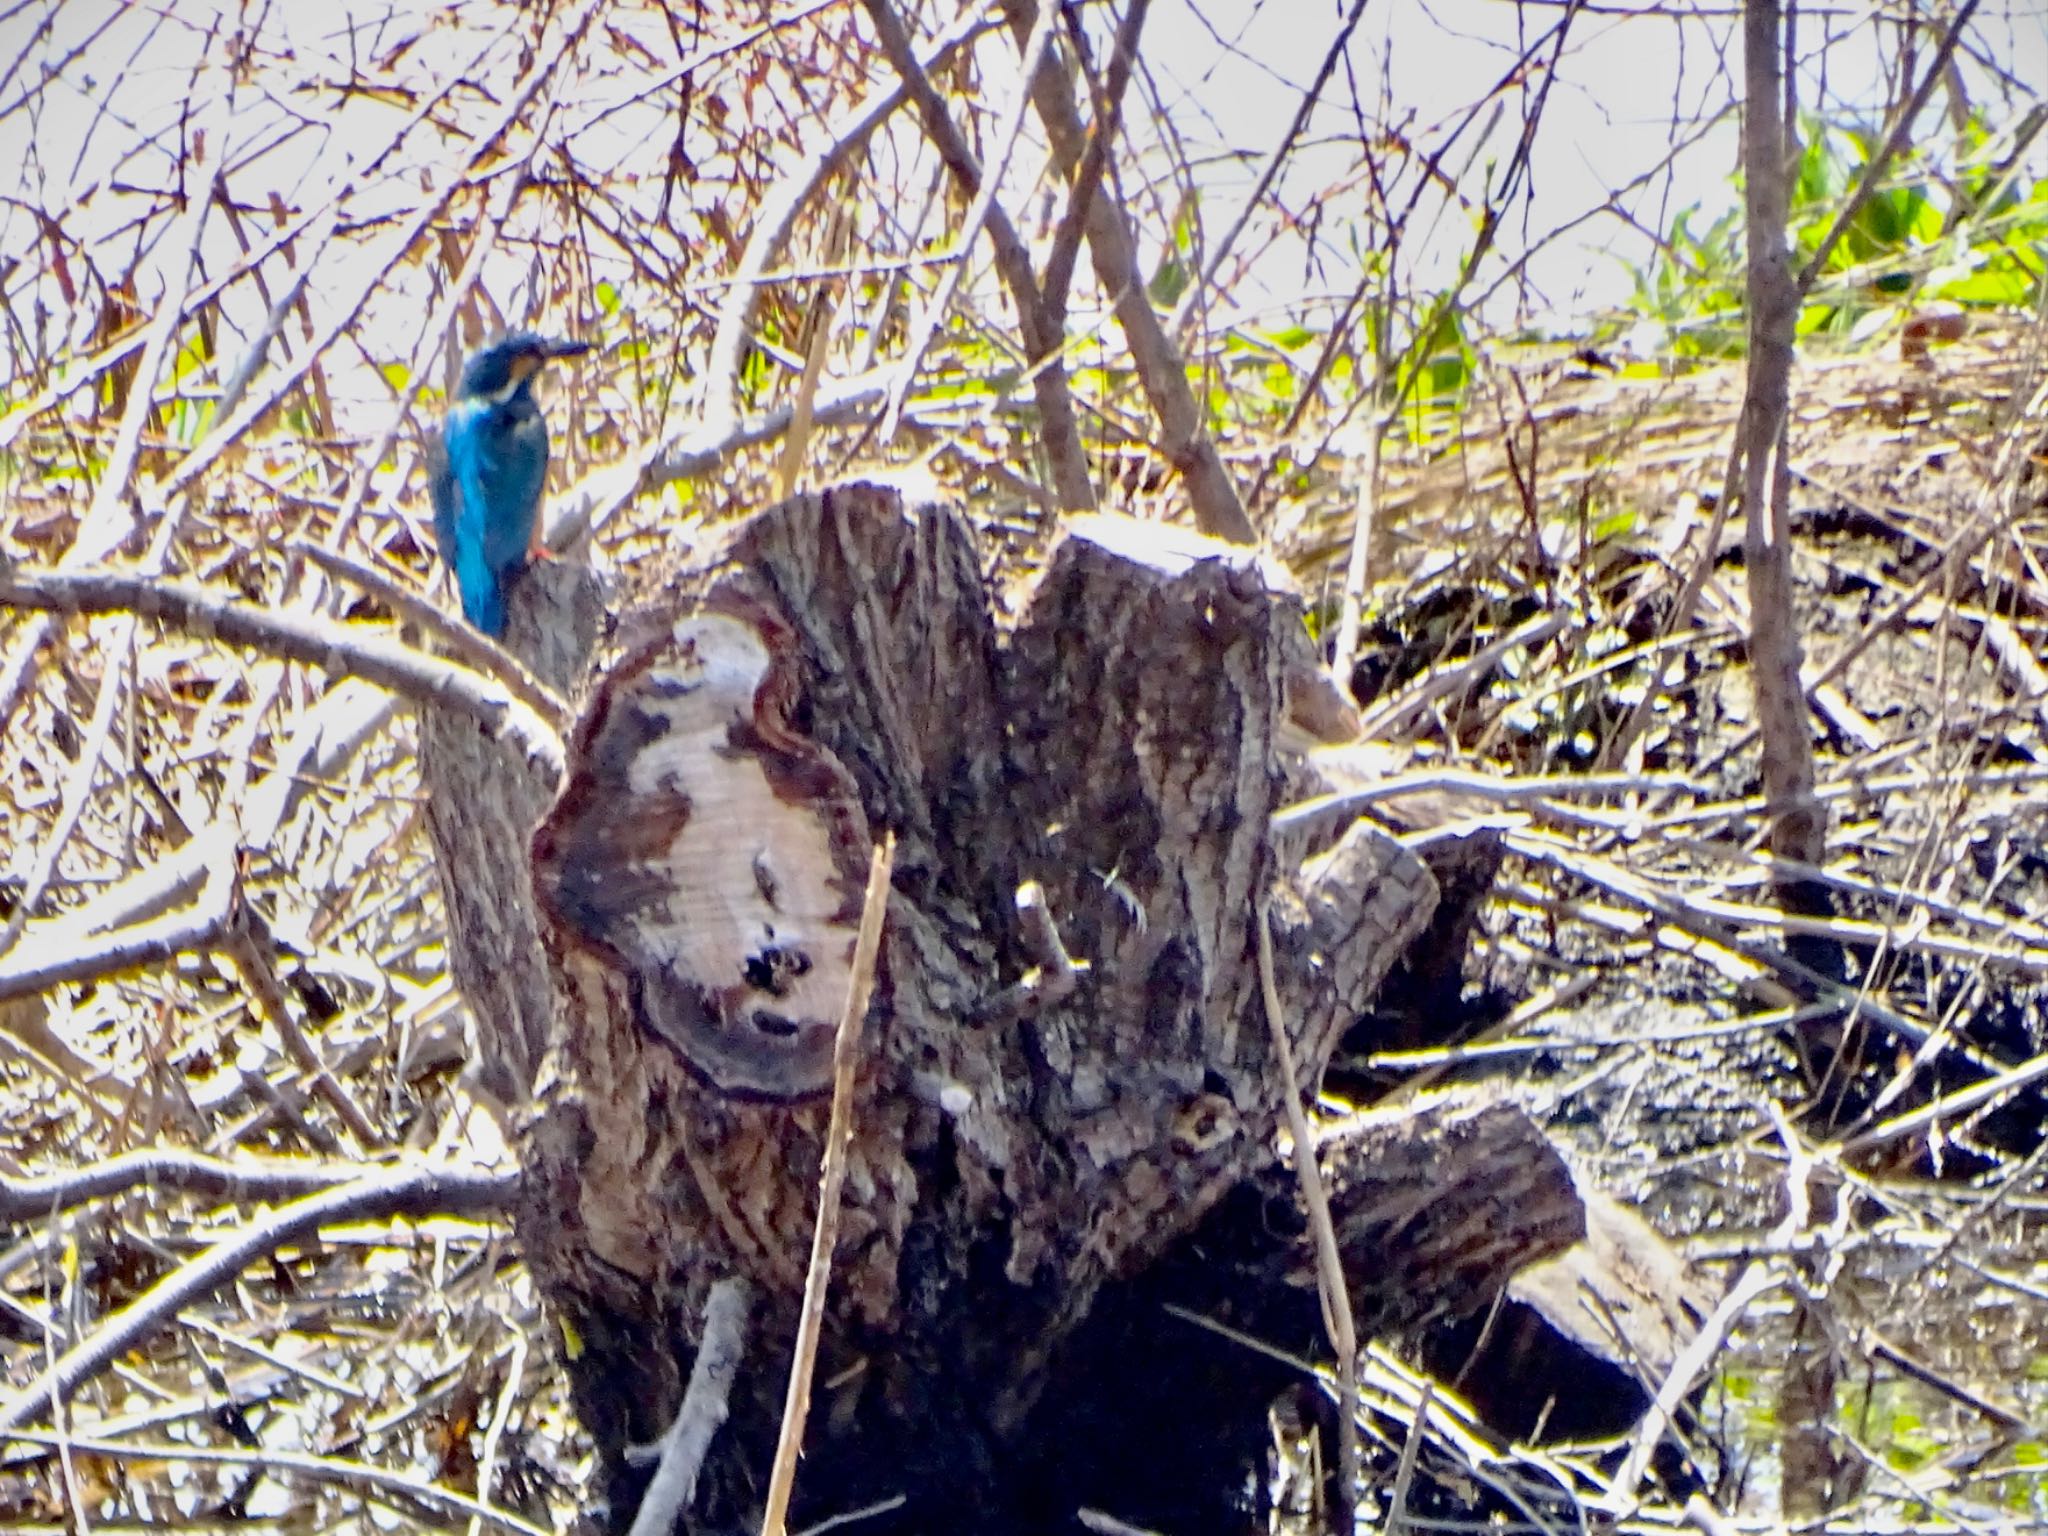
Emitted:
<point x="246" y="247"/>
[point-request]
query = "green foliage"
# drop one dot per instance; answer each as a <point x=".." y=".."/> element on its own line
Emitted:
<point x="190" y="415"/>
<point x="1444" y="363"/>
<point x="757" y="373"/>
<point x="1262" y="374"/>
<point x="1694" y="287"/>
<point x="1947" y="223"/>
<point x="1176" y="267"/>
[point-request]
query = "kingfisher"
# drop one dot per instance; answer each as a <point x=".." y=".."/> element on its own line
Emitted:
<point x="487" y="469"/>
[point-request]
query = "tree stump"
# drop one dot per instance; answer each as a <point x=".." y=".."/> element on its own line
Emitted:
<point x="1067" y="1063"/>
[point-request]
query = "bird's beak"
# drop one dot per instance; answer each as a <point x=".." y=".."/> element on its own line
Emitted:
<point x="554" y="346"/>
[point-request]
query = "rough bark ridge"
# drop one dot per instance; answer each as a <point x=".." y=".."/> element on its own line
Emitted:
<point x="482" y="802"/>
<point x="1015" y="1148"/>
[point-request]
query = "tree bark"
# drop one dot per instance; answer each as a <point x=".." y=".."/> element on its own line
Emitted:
<point x="1057" y="1093"/>
<point x="1798" y="823"/>
<point x="483" y="799"/>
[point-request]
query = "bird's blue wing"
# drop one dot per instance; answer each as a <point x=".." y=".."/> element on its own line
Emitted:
<point x="487" y="486"/>
<point x="467" y="537"/>
<point x="513" y="465"/>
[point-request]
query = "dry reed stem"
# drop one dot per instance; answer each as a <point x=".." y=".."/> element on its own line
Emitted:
<point x="845" y="1059"/>
<point x="1330" y="1282"/>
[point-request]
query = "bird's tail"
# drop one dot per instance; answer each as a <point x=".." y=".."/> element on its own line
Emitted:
<point x="483" y="594"/>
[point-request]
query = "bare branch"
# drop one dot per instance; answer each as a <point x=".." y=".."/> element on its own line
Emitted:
<point x="478" y="650"/>
<point x="1184" y="439"/>
<point x="52" y="954"/>
<point x="1066" y="240"/>
<point x="243" y="1181"/>
<point x="706" y="1402"/>
<point x="415" y="1191"/>
<point x="314" y="642"/>
<point x="1043" y="340"/>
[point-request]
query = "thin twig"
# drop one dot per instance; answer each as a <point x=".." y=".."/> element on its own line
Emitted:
<point x="1756" y="1280"/>
<point x="1951" y="1107"/>
<point x="104" y="525"/>
<point x="250" y="953"/>
<point x="511" y="1393"/>
<point x="1684" y="914"/>
<point x="1330" y="1279"/>
<point x="433" y="1495"/>
<point x="845" y="1057"/>
<point x="1390" y="717"/>
<point x="1365" y="523"/>
<point x="821" y="320"/>
<point x="78" y="783"/>
<point x="101" y="529"/>
<point x="1404" y="1472"/>
<point x="1255" y="199"/>
<point x="1416" y="359"/>
<point x="33" y="966"/>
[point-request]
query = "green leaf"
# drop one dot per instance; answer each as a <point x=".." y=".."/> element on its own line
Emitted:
<point x="1169" y="281"/>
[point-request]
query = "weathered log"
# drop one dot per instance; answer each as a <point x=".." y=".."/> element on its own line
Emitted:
<point x="1580" y="1341"/>
<point x="1437" y="1207"/>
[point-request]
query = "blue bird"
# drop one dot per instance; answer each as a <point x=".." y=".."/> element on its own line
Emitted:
<point x="487" y="469"/>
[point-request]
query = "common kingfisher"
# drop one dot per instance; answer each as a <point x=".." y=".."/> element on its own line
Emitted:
<point x="487" y="471"/>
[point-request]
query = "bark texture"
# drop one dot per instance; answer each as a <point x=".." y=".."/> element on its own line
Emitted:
<point x="483" y="799"/>
<point x="1030" y="1136"/>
